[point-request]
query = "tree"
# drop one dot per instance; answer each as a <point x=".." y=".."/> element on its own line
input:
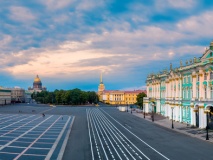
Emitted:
<point x="140" y="99"/>
<point x="92" y="97"/>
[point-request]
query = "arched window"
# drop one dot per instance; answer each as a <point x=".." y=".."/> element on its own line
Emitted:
<point x="205" y="92"/>
<point x="211" y="75"/>
<point x="198" y="92"/>
<point x="205" y="76"/>
<point x="198" y="78"/>
<point x="211" y="92"/>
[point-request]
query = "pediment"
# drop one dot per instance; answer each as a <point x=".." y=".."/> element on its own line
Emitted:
<point x="207" y="54"/>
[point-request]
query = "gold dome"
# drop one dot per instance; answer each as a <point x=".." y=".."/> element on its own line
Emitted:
<point x="37" y="79"/>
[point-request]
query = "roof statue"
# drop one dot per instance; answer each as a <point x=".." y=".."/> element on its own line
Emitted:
<point x="181" y="63"/>
<point x="187" y="62"/>
<point x="170" y="66"/>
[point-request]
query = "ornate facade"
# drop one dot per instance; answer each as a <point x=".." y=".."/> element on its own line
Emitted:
<point x="186" y="91"/>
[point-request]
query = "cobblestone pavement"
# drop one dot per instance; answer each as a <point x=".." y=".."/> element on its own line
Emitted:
<point x="179" y="127"/>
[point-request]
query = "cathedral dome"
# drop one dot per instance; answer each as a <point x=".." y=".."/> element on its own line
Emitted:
<point x="37" y="80"/>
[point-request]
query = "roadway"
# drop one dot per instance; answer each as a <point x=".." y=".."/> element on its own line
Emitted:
<point x="105" y="133"/>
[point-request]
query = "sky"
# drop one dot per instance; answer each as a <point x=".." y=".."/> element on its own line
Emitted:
<point x="68" y="43"/>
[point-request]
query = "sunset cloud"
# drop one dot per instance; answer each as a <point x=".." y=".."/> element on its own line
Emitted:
<point x="68" y="42"/>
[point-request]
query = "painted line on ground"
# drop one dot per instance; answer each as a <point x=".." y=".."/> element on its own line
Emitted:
<point x="24" y="133"/>
<point x="57" y="140"/>
<point x="61" y="153"/>
<point x="136" y="136"/>
<point x="17" y="157"/>
<point x="108" y="136"/>
<point x="124" y="137"/>
<point x="89" y="135"/>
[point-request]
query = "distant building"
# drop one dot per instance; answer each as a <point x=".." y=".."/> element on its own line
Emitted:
<point x="5" y="96"/>
<point x="120" y="97"/>
<point x="117" y="97"/>
<point x="37" y="86"/>
<point x="17" y="95"/>
<point x="27" y="96"/>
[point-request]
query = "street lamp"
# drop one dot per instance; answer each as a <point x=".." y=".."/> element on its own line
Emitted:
<point x="144" y="111"/>
<point x="152" y="112"/>
<point x="172" y="118"/>
<point x="207" y="126"/>
<point x="127" y="108"/>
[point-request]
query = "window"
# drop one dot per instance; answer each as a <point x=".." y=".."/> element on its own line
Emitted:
<point x="189" y="79"/>
<point x="211" y="75"/>
<point x="211" y="54"/>
<point x="211" y="91"/>
<point x="205" y="76"/>
<point x="205" y="92"/>
<point x="191" y="92"/>
<point x="184" y="80"/>
<point x="198" y="92"/>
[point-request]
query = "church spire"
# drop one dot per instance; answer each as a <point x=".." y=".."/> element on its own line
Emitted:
<point x="101" y="81"/>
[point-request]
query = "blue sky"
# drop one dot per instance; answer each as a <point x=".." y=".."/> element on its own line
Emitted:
<point x="68" y="43"/>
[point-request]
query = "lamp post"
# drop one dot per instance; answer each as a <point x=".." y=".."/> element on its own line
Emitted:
<point x="207" y="126"/>
<point x="152" y="112"/>
<point x="143" y="111"/>
<point x="127" y="108"/>
<point x="172" y="118"/>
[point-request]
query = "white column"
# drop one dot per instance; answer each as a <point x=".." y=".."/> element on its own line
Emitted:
<point x="177" y="113"/>
<point x="192" y="115"/>
<point x="147" y="90"/>
<point x="180" y="94"/>
<point x="204" y="119"/>
<point x="170" y="111"/>
<point x="207" y="87"/>
<point x="201" y="84"/>
<point x="166" y="110"/>
<point x="201" y="117"/>
<point x="176" y="90"/>
<point x="194" y="85"/>
<point x="180" y="113"/>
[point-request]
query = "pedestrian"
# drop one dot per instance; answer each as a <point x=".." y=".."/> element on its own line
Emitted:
<point x="43" y="114"/>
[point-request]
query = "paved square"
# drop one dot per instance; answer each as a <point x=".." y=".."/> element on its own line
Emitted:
<point x="24" y="137"/>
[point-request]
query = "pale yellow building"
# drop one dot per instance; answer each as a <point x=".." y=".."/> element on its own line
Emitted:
<point x="117" y="97"/>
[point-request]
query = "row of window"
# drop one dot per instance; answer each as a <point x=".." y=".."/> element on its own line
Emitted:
<point x="187" y="93"/>
<point x="118" y="95"/>
<point x="119" y="99"/>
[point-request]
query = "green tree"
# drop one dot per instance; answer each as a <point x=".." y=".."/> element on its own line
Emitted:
<point x="75" y="96"/>
<point x="140" y="99"/>
<point x="92" y="97"/>
<point x="84" y="97"/>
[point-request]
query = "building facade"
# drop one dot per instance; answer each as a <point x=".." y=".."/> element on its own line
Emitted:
<point x="27" y="96"/>
<point x="185" y="92"/>
<point x="117" y="97"/>
<point x="37" y="86"/>
<point x="17" y="95"/>
<point x="5" y="96"/>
